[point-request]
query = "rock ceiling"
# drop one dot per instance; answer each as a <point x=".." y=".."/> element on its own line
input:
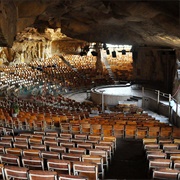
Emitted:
<point x="144" y="23"/>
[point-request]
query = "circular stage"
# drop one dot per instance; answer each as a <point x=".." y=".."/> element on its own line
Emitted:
<point x="115" y="94"/>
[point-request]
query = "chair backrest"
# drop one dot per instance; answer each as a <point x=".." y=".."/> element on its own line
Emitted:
<point x="71" y="156"/>
<point x="77" y="150"/>
<point x="40" y="147"/>
<point x="59" y="149"/>
<point x="42" y="175"/>
<point x="22" y="145"/>
<point x="15" y="172"/>
<point x="50" y="154"/>
<point x="61" y="166"/>
<point x="31" y="152"/>
<point x="10" y="159"/>
<point x="15" y="151"/>
<point x="33" y="162"/>
<point x="165" y="173"/>
<point x="86" y="169"/>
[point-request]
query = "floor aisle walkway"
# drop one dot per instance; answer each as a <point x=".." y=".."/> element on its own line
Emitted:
<point x="129" y="161"/>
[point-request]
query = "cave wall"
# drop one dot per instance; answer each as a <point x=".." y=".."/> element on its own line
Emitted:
<point x="154" y="67"/>
<point x="25" y="52"/>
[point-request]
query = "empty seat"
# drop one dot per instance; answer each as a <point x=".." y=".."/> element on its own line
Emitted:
<point x="42" y="175"/>
<point x="33" y="162"/>
<point x="71" y="157"/>
<point x="165" y="173"/>
<point x="95" y="159"/>
<point x="15" y="172"/>
<point x="89" y="170"/>
<point x="61" y="166"/>
<point x="10" y="159"/>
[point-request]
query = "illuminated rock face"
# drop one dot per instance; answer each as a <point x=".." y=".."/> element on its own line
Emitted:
<point x="150" y="23"/>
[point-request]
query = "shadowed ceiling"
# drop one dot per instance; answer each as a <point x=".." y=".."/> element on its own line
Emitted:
<point x="144" y="23"/>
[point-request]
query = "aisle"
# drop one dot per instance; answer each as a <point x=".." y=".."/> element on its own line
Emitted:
<point x="129" y="161"/>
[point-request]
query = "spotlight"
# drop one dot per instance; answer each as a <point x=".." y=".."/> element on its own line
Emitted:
<point x="123" y="52"/>
<point x="114" y="54"/>
<point x="104" y="46"/>
<point x="94" y="53"/>
<point x="107" y="51"/>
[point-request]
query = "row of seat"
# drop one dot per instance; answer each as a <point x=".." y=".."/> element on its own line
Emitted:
<point x="81" y="171"/>
<point x="163" y="157"/>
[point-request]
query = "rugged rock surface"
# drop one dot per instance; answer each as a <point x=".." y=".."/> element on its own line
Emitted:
<point x="149" y="23"/>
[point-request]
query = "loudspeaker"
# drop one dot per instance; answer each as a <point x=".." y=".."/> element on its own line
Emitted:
<point x="107" y="51"/>
<point x="94" y="53"/>
<point x="123" y="52"/>
<point x="114" y="54"/>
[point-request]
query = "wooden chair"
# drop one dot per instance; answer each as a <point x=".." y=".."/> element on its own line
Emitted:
<point x="59" y="149"/>
<point x="166" y="173"/>
<point x="89" y="170"/>
<point x="130" y="131"/>
<point x="42" y="175"/>
<point x="77" y="140"/>
<point x="96" y="129"/>
<point x="15" y="172"/>
<point x="21" y="139"/>
<point x="61" y="166"/>
<point x="65" y="135"/>
<point x="107" y="130"/>
<point x="118" y="130"/>
<point x="75" y="128"/>
<point x="149" y="140"/>
<point x="52" y="133"/>
<point x="151" y="146"/>
<point x="160" y="163"/>
<point x="80" y="136"/>
<point x="94" y="137"/>
<point x="174" y="157"/>
<point x="77" y="150"/>
<point x="50" y="142"/>
<point x="6" y="143"/>
<point x="15" y="151"/>
<point x="21" y="145"/>
<point x="95" y="159"/>
<point x="65" y="127"/>
<point x="85" y="145"/>
<point x="50" y="155"/>
<point x="155" y="155"/>
<point x="33" y="162"/>
<point x="49" y="138"/>
<point x="31" y="152"/>
<point x="85" y="128"/>
<point x="105" y="147"/>
<point x="170" y="146"/>
<point x="71" y="157"/>
<point x="67" y="144"/>
<point x="71" y="177"/>
<point x="10" y="159"/>
<point x="153" y="132"/>
<point x="102" y="153"/>
<point x="165" y="132"/>
<point x="35" y="140"/>
<point x="141" y="132"/>
<point x="177" y="164"/>
<point x="111" y="139"/>
<point x="40" y="147"/>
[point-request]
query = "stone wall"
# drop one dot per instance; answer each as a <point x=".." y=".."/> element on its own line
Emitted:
<point x="155" y="66"/>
